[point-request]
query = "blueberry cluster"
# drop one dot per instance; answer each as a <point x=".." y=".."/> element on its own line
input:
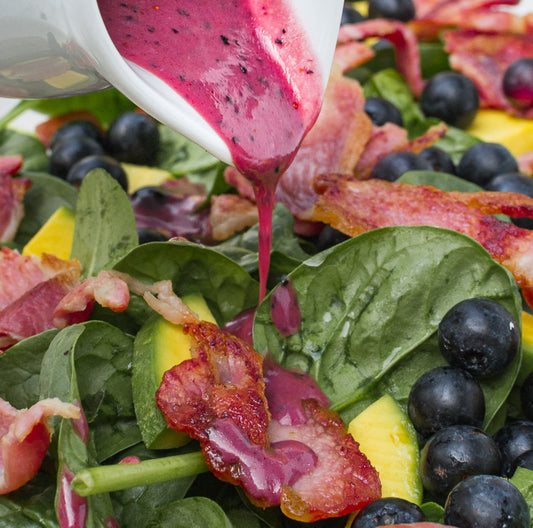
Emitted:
<point x="78" y="147"/>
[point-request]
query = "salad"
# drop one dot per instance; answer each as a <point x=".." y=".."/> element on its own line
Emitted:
<point x="359" y="314"/>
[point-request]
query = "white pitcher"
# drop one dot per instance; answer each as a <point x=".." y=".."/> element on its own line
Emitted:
<point x="57" y="48"/>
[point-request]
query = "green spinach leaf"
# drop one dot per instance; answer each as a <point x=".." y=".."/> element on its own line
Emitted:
<point x="105" y="228"/>
<point x="370" y="308"/>
<point x="192" y="268"/>
<point x="33" y="152"/>
<point x="523" y="480"/>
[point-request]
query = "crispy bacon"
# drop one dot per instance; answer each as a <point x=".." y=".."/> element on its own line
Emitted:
<point x="12" y="192"/>
<point x="270" y="432"/>
<point x="484" y="58"/>
<point x="354" y="207"/>
<point x="230" y="214"/>
<point x="25" y="437"/>
<point x="479" y="15"/>
<point x="390" y="138"/>
<point x="30" y="289"/>
<point x="400" y="36"/>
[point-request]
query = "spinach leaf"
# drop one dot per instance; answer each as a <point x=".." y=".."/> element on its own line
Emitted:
<point x="136" y="506"/>
<point x="199" y="512"/>
<point x="31" y="506"/>
<point x="21" y="367"/>
<point x="180" y="155"/>
<point x="105" y="226"/>
<point x="30" y="148"/>
<point x="192" y="268"/>
<point x="370" y="308"/>
<point x="523" y="480"/>
<point x="75" y="447"/>
<point x="434" y="512"/>
<point x="440" y="180"/>
<point x="46" y="194"/>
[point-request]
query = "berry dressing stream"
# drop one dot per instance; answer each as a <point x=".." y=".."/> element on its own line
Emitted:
<point x="244" y="65"/>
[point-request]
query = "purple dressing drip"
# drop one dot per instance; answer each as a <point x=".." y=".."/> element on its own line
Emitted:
<point x="285" y="310"/>
<point x="71" y="508"/>
<point x="285" y="390"/>
<point x="241" y="326"/>
<point x="262" y="472"/>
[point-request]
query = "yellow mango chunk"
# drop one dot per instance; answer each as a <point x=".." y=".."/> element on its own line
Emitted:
<point x="388" y="439"/>
<point x="496" y="126"/>
<point x="142" y="176"/>
<point x="55" y="236"/>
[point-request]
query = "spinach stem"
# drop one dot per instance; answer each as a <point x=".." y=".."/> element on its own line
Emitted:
<point x="21" y="107"/>
<point x="103" y="479"/>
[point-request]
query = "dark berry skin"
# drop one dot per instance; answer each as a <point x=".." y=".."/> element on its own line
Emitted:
<point x="78" y="171"/>
<point x="402" y="10"/>
<point x="133" y="138"/>
<point x="329" y="237"/>
<point x="387" y="511"/>
<point x="455" y="453"/>
<point x="526" y="397"/>
<point x="382" y="111"/>
<point x="525" y="460"/>
<point x="445" y="396"/>
<point x="393" y="165"/>
<point x="483" y="162"/>
<point x="439" y="160"/>
<point x="77" y="128"/>
<point x="350" y="15"/>
<point x="67" y="153"/>
<point x="513" y="440"/>
<point x="452" y="98"/>
<point x="514" y="182"/>
<point x="486" y="501"/>
<point x="518" y="83"/>
<point x="150" y="235"/>
<point x="480" y="336"/>
<point x="148" y="198"/>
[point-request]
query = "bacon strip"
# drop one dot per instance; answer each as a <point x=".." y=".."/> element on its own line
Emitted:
<point x="12" y="192"/>
<point x="484" y="58"/>
<point x="268" y="432"/>
<point x="354" y="207"/>
<point x="400" y="36"/>
<point x="25" y="437"/>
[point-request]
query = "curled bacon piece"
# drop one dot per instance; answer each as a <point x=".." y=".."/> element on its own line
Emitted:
<point x="400" y="36"/>
<point x="354" y="207"/>
<point x="12" y="191"/>
<point x="300" y="457"/>
<point x="24" y="439"/>
<point x="484" y="58"/>
<point x="479" y="15"/>
<point x="30" y="289"/>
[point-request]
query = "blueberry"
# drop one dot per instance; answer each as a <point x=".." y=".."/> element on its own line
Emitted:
<point x="386" y="511"/>
<point x="382" y="111"/>
<point x="403" y="10"/>
<point x="480" y="336"/>
<point x="518" y="83"/>
<point x="513" y="440"/>
<point x="450" y="97"/>
<point x="486" y="501"/>
<point x="77" y="128"/>
<point x="439" y="159"/>
<point x="525" y="460"/>
<point x="445" y="396"/>
<point x="484" y="161"/>
<point x="392" y="166"/>
<point x="69" y="152"/>
<point x="329" y="237"/>
<point x="150" y="235"/>
<point x="350" y="15"/>
<point x="455" y="453"/>
<point x="526" y="396"/>
<point x="78" y="171"/>
<point x="133" y="138"/>
<point x="149" y="198"/>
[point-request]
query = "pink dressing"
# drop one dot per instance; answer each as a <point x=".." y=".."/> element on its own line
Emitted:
<point x="244" y="65"/>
